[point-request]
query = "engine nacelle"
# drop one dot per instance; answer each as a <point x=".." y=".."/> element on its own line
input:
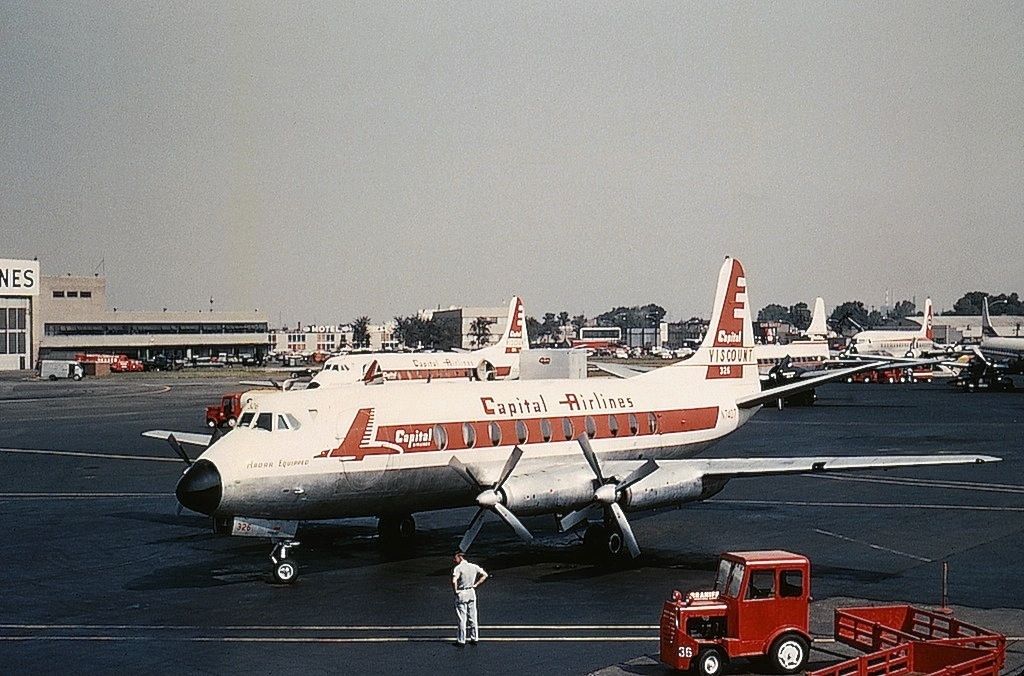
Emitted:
<point x="668" y="487"/>
<point x="544" y="492"/>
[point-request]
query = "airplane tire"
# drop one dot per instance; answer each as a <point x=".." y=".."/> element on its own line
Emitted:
<point x="710" y="662"/>
<point x="788" y="654"/>
<point x="396" y="530"/>
<point x="594" y="538"/>
<point x="285" y="571"/>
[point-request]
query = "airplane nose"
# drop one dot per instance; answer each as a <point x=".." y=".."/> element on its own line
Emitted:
<point x="200" y="488"/>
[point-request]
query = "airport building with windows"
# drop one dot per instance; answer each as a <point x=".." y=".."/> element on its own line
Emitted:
<point x="19" y="294"/>
<point x="61" y="316"/>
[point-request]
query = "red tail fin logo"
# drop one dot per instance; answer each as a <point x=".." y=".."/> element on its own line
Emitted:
<point x="727" y="354"/>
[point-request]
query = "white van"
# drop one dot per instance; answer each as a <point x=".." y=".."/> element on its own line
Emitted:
<point x="60" y="368"/>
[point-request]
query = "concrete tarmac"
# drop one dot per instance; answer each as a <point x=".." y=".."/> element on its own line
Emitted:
<point x="101" y="574"/>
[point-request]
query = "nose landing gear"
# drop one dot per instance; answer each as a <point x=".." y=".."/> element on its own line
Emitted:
<point x="285" y="569"/>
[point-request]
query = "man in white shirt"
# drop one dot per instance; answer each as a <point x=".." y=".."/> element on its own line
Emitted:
<point x="466" y="577"/>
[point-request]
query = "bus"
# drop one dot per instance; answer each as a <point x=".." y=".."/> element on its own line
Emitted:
<point x="599" y="337"/>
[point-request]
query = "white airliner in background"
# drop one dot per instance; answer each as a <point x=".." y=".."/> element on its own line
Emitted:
<point x="809" y="353"/>
<point x="580" y="449"/>
<point x="1005" y="350"/>
<point x="495" y="362"/>
<point x="896" y="342"/>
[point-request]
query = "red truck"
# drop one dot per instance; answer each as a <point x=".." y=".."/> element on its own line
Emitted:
<point x="226" y="412"/>
<point x="759" y="607"/>
<point x="119" y="363"/>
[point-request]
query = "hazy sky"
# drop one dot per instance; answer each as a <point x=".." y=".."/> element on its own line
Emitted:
<point x="321" y="161"/>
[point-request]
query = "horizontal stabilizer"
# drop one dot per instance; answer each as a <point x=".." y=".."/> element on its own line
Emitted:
<point x="184" y="437"/>
<point x="802" y="385"/>
<point x="752" y="467"/>
<point x="617" y="370"/>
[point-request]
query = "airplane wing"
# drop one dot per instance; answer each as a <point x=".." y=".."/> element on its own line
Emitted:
<point x="907" y="362"/>
<point x="802" y="385"/>
<point x="732" y="468"/>
<point x="617" y="370"/>
<point x="184" y="437"/>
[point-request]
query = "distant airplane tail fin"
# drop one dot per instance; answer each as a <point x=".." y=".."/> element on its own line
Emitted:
<point x="987" y="330"/>
<point x="726" y="356"/>
<point x="926" y="328"/>
<point x="514" y="339"/>
<point x="818" y="328"/>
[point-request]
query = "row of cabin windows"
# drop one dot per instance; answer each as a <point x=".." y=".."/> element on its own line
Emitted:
<point x="567" y="430"/>
<point x="72" y="294"/>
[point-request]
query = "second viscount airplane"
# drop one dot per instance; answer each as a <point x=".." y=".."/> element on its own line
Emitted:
<point x="589" y="451"/>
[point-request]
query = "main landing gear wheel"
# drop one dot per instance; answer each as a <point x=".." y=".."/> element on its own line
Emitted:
<point x="285" y="569"/>
<point x="396" y="530"/>
<point x="788" y="654"/>
<point x="710" y="662"/>
<point x="604" y="543"/>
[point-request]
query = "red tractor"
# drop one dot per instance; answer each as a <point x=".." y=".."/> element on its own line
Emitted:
<point x="759" y="607"/>
<point x="225" y="413"/>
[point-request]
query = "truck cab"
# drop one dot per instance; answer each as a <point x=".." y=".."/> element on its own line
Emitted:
<point x="225" y="413"/>
<point x="759" y="607"/>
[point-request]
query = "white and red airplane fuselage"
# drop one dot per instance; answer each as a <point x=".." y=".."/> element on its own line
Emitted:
<point x="512" y="447"/>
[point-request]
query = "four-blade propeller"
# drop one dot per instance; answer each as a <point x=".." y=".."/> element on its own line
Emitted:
<point x="490" y="499"/>
<point x="607" y="495"/>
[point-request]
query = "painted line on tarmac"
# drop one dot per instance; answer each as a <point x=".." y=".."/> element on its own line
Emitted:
<point x="872" y="505"/>
<point x="927" y="483"/>
<point x="85" y="454"/>
<point x="873" y="546"/>
<point x="35" y="400"/>
<point x="328" y="640"/>
<point x="48" y="496"/>
<point x="410" y="627"/>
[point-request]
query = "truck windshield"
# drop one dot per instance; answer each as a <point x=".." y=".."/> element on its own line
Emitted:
<point x="724" y="568"/>
<point x="730" y="575"/>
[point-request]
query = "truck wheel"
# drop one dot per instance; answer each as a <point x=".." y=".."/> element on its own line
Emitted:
<point x="710" y="662"/>
<point x="211" y="423"/>
<point x="53" y="377"/>
<point x="232" y="422"/>
<point x="76" y="377"/>
<point x="789" y="654"/>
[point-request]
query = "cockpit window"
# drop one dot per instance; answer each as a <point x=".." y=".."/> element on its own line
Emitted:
<point x="293" y="422"/>
<point x="265" y="421"/>
<point x="246" y="419"/>
<point x="282" y="424"/>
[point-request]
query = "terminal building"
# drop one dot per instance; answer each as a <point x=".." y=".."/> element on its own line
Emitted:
<point x="19" y="294"/>
<point x="58" y="317"/>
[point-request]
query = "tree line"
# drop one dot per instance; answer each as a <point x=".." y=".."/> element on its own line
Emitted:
<point x="414" y="331"/>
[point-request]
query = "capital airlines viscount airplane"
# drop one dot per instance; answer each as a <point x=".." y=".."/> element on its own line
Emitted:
<point x="810" y="353"/>
<point x="575" y="448"/>
<point x="495" y="362"/>
<point x="1004" y="350"/>
<point x="898" y="343"/>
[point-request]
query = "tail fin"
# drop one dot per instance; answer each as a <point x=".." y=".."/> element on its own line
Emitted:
<point x="987" y="330"/>
<point x="926" y="327"/>
<point x="818" y="328"/>
<point x="515" y="338"/>
<point x="727" y="353"/>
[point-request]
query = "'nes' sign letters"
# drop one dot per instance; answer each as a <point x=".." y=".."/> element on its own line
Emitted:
<point x="19" y="278"/>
